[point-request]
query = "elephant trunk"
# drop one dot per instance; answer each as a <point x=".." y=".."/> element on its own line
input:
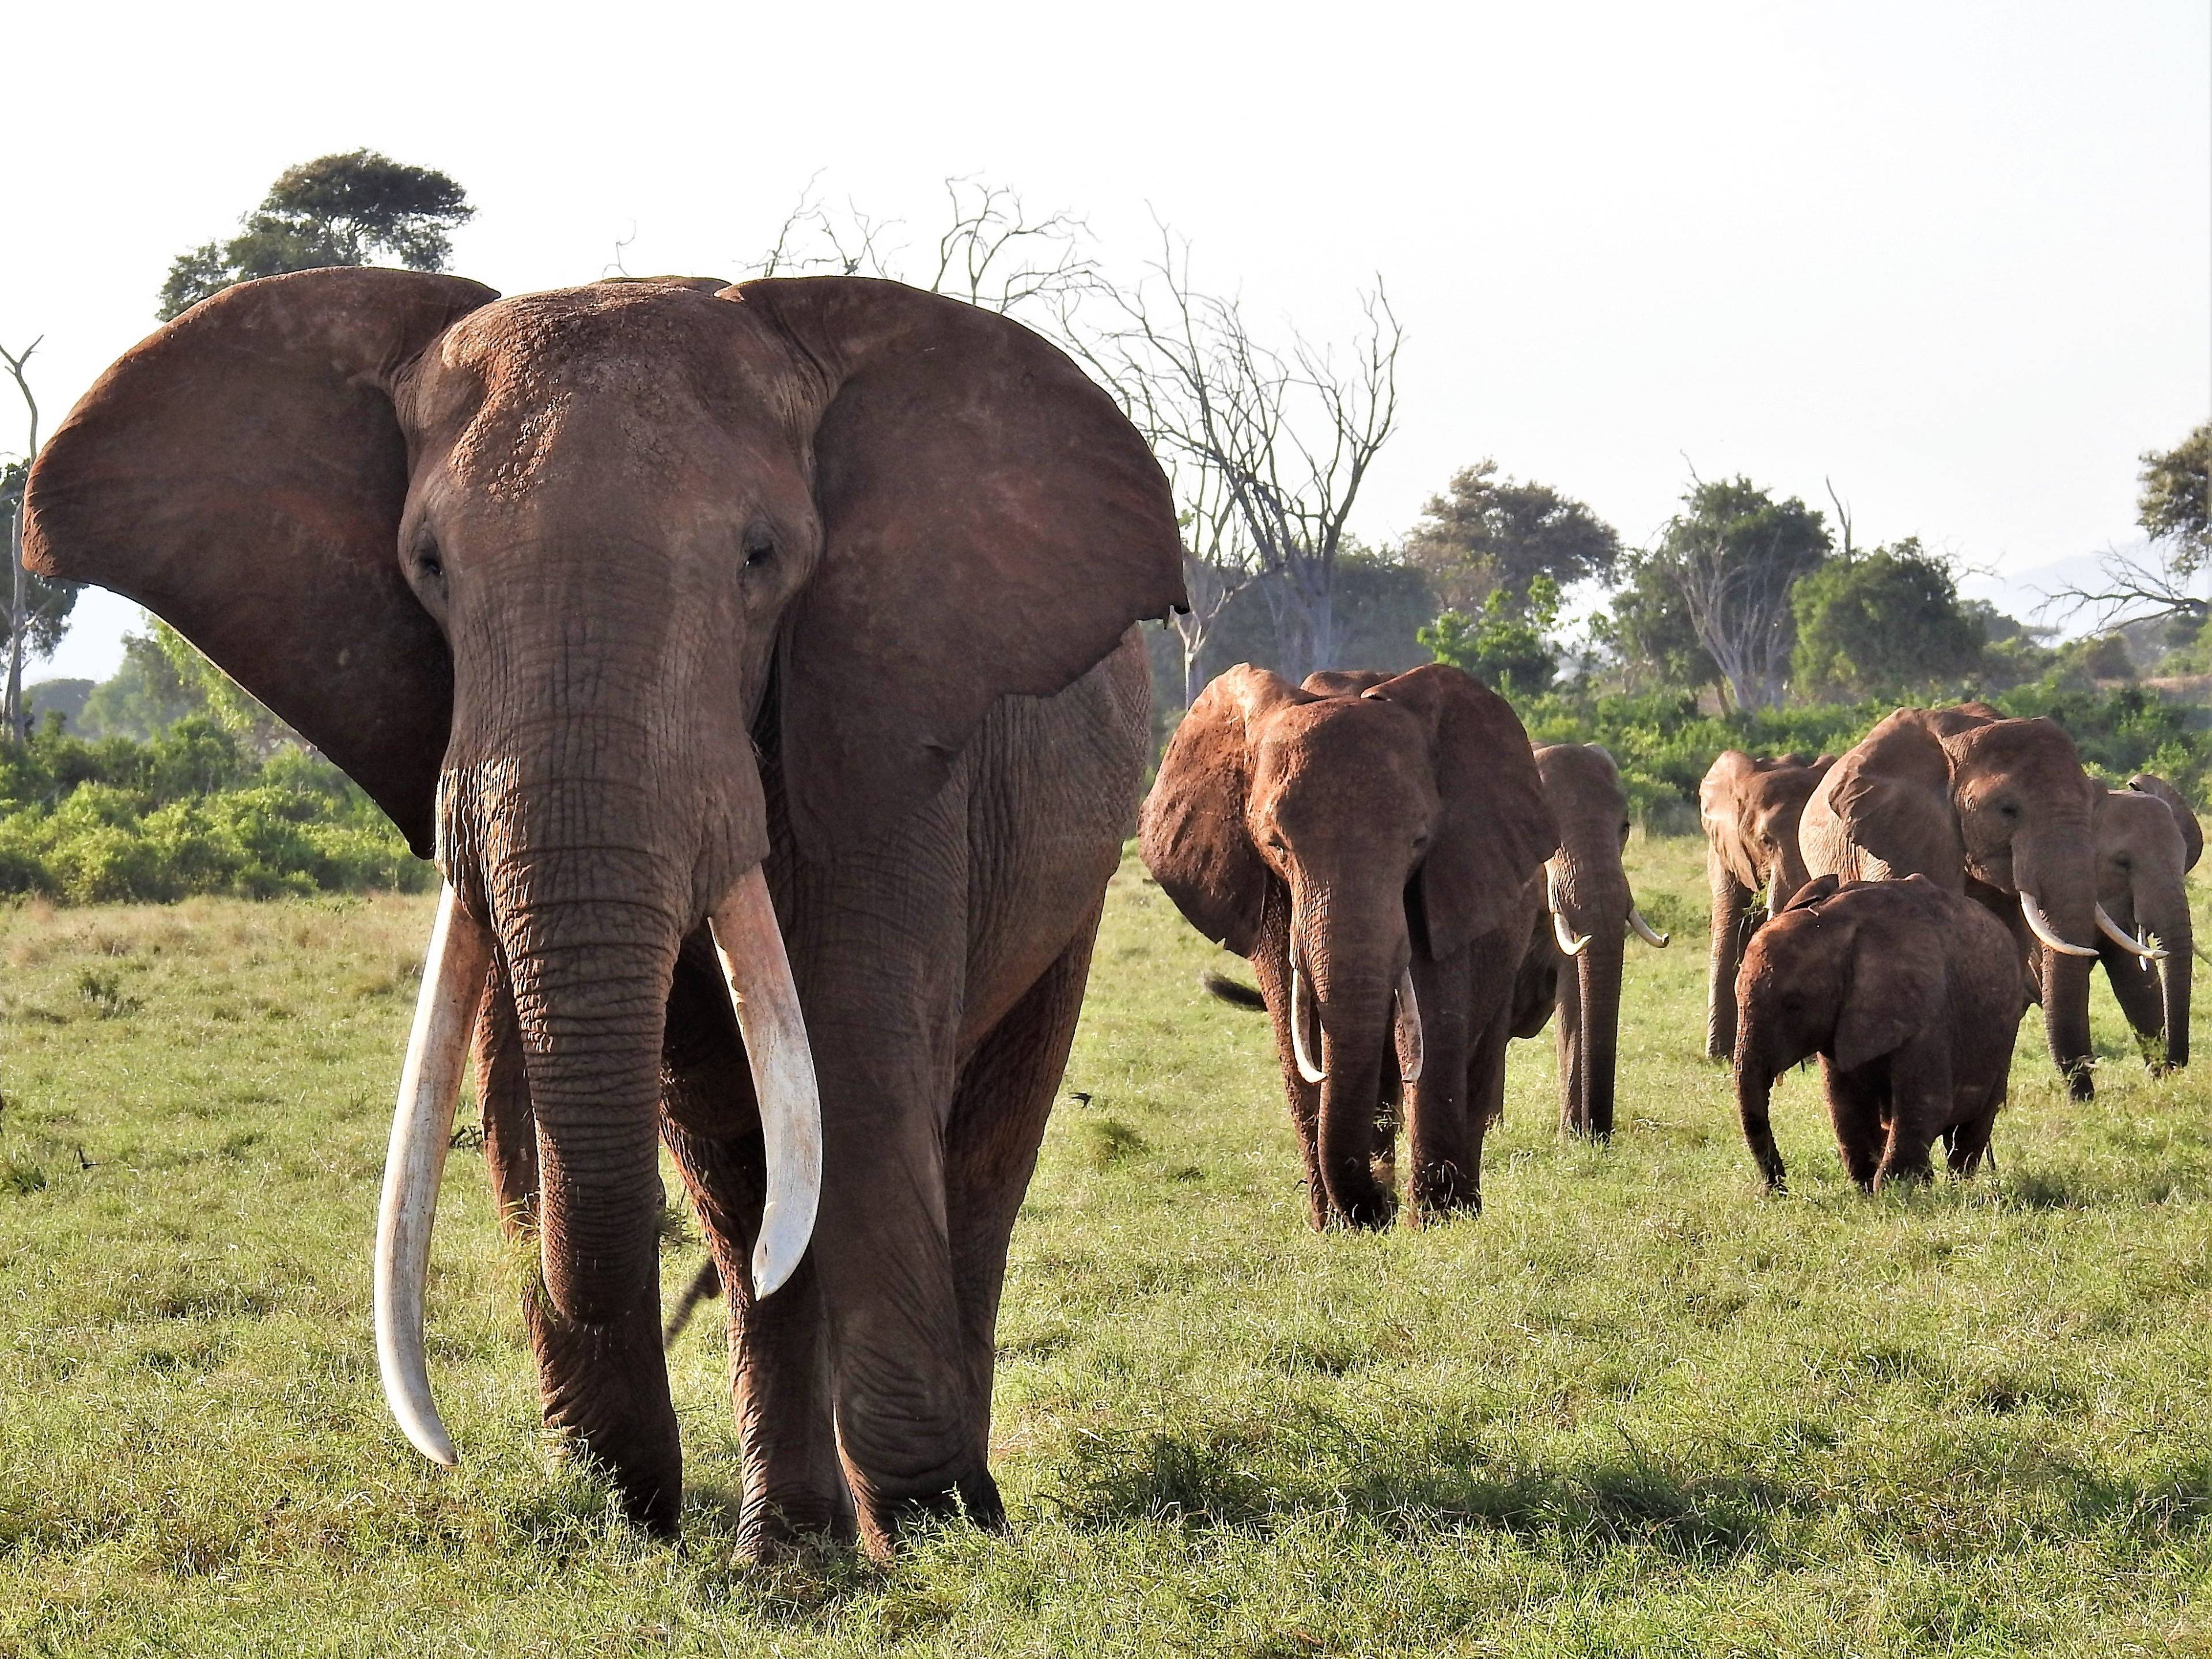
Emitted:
<point x="1729" y="903"/>
<point x="2167" y="917"/>
<point x="1598" y="1033"/>
<point x="1354" y="981"/>
<point x="2057" y="885"/>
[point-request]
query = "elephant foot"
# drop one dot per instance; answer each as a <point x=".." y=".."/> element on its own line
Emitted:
<point x="604" y="1389"/>
<point x="974" y="1497"/>
<point x="771" y="1530"/>
<point x="2081" y="1085"/>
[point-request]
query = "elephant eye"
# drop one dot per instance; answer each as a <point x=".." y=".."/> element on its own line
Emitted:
<point x="428" y="561"/>
<point x="759" y="546"/>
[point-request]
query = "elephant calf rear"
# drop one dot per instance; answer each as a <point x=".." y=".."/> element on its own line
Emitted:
<point x="1913" y="997"/>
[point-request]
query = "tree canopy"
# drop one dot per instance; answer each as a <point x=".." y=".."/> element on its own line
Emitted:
<point x="2175" y="503"/>
<point x="1487" y="533"/>
<point x="1888" y="620"/>
<point x="1504" y="644"/>
<point x="347" y="210"/>
<point x="46" y="604"/>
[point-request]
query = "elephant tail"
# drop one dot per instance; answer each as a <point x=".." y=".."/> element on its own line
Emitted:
<point x="1234" y="992"/>
<point x="706" y="1286"/>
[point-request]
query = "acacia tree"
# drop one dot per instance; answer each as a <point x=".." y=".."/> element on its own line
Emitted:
<point x="2173" y="508"/>
<point x="1285" y="435"/>
<point x="335" y="211"/>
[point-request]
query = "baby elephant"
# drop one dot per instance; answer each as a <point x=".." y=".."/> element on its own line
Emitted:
<point x="1911" y="995"/>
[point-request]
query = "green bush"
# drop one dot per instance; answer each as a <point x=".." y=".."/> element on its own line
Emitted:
<point x="191" y="812"/>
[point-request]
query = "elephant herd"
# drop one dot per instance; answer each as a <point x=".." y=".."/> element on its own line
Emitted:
<point x="758" y="663"/>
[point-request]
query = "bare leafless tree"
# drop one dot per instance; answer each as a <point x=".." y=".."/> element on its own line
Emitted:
<point x="1740" y="609"/>
<point x="12" y="710"/>
<point x="992" y="252"/>
<point x="2137" y="587"/>
<point x="1285" y="436"/>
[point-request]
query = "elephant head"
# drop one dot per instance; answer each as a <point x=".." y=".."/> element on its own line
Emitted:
<point x="1749" y="810"/>
<point x="2142" y="896"/>
<point x="1999" y="807"/>
<point x="1592" y="911"/>
<point x="549" y="576"/>
<point x="1348" y="838"/>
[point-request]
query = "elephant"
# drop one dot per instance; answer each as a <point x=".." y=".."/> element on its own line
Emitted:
<point x="2147" y="839"/>
<point x="1911" y="995"/>
<point x="1588" y="911"/>
<point x="1749" y="810"/>
<point x="1998" y="809"/>
<point x="759" y="665"/>
<point x="1370" y="845"/>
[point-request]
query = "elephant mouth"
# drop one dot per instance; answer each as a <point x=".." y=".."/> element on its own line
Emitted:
<point x="757" y="973"/>
<point x="1408" y="1038"/>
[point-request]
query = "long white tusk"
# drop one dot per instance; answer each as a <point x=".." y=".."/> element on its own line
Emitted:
<point x="1573" y="943"/>
<point x="758" y="973"/>
<point x="1644" y="930"/>
<point x="422" y="1129"/>
<point x="1412" y="1041"/>
<point x="1307" y="1069"/>
<point x="2127" y="941"/>
<point x="2040" y="925"/>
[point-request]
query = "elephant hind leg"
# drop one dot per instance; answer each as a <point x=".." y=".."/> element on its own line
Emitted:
<point x="1000" y="1107"/>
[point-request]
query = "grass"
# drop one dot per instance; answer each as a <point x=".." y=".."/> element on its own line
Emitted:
<point x="1635" y="1408"/>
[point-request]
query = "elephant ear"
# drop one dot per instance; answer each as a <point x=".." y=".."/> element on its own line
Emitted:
<point x="2193" y="832"/>
<point x="1498" y="828"/>
<point x="991" y="525"/>
<point x="1814" y="892"/>
<point x="1720" y="795"/>
<point x="1895" y="985"/>
<point x="1343" y="682"/>
<point x="1191" y="831"/>
<point x="241" y="474"/>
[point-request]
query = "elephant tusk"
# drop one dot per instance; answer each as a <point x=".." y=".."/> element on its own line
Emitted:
<point x="1644" y="930"/>
<point x="1570" y="942"/>
<point x="758" y="973"/>
<point x="1412" y="1041"/>
<point x="1307" y="1069"/>
<point x="2127" y="941"/>
<point x="452" y="991"/>
<point x="2040" y="925"/>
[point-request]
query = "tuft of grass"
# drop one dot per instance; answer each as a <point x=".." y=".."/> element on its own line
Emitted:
<point x="1633" y="1407"/>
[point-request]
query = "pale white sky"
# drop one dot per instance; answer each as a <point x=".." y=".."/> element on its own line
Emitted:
<point x="1957" y="256"/>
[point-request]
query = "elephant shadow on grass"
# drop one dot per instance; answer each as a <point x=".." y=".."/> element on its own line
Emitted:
<point x="1222" y="1477"/>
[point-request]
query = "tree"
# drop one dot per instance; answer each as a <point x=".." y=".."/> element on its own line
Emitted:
<point x="38" y="610"/>
<point x="1504" y="644"/>
<point x="1649" y="634"/>
<point x="1485" y="533"/>
<point x="335" y="211"/>
<point x="1287" y="434"/>
<point x="163" y="678"/>
<point x="2173" y="507"/>
<point x="1733" y="554"/>
<point x="1886" y="621"/>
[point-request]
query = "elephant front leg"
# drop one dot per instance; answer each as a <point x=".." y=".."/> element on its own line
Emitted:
<point x="605" y="1387"/>
<point x="1271" y="968"/>
<point x="999" y="1110"/>
<point x="1856" y="1101"/>
<point x="1923" y="1103"/>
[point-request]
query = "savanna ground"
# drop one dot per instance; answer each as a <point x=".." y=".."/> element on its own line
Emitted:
<point x="1635" y="1408"/>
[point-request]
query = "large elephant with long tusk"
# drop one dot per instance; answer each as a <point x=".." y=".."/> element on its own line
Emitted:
<point x="1996" y="808"/>
<point x="1579" y="948"/>
<point x="759" y="663"/>
<point x="2147" y="841"/>
<point x="1370" y="842"/>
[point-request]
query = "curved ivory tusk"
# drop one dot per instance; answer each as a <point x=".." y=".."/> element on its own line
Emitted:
<point x="1644" y="930"/>
<point x="421" y="1128"/>
<point x="2127" y="941"/>
<point x="1571" y="942"/>
<point x="2040" y="925"/>
<point x="1307" y="1069"/>
<point x="1412" y="1041"/>
<point x="758" y="973"/>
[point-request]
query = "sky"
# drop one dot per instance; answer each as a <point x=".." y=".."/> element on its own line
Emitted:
<point x="1954" y="259"/>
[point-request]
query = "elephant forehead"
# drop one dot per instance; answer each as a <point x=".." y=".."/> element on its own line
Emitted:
<point x="1356" y="743"/>
<point x="646" y="370"/>
<point x="2026" y="749"/>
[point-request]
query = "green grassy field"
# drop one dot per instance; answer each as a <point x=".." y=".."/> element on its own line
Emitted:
<point x="1635" y="1408"/>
